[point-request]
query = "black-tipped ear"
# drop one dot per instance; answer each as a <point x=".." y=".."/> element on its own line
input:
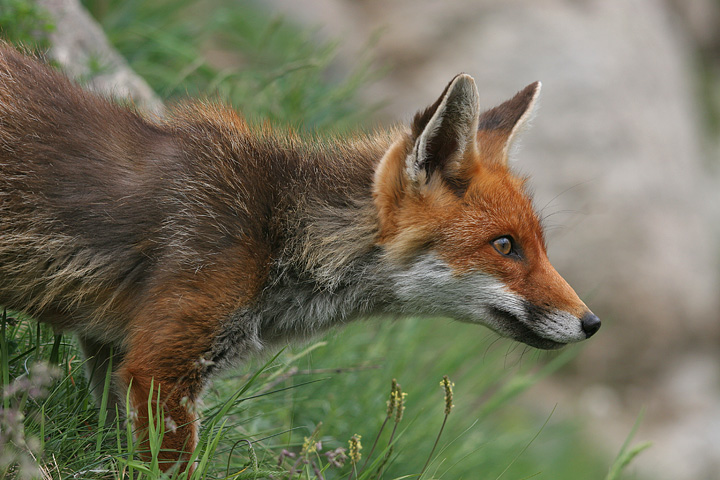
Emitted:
<point x="507" y="119"/>
<point x="444" y="131"/>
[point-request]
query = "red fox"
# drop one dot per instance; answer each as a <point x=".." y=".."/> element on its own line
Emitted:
<point x="190" y="243"/>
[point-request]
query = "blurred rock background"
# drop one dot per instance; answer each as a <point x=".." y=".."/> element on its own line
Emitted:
<point x="623" y="156"/>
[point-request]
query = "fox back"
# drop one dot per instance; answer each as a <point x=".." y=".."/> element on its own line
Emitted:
<point x="192" y="242"/>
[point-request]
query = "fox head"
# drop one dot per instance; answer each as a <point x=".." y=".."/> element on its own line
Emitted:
<point x="461" y="226"/>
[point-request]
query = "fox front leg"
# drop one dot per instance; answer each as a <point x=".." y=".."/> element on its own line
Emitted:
<point x="166" y="367"/>
<point x="165" y="388"/>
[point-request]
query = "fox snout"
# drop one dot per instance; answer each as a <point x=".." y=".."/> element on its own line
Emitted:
<point x="543" y="327"/>
<point x="550" y="330"/>
<point x="553" y="311"/>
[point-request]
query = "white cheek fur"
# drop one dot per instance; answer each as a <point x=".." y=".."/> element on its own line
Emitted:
<point x="430" y="287"/>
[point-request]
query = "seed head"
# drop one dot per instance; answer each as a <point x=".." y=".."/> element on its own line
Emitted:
<point x="391" y="401"/>
<point x="448" y="386"/>
<point x="308" y="446"/>
<point x="336" y="457"/>
<point x="355" y="447"/>
<point x="311" y="444"/>
<point x="400" y="402"/>
<point x="253" y="456"/>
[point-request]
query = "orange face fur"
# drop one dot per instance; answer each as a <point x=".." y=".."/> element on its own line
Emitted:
<point x="445" y="195"/>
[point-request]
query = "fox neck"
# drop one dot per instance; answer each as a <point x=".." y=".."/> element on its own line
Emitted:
<point x="297" y="305"/>
<point x="330" y="269"/>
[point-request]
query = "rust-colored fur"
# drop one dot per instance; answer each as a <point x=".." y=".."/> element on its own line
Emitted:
<point x="193" y="242"/>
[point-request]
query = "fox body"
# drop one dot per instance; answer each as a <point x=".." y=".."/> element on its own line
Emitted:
<point x="192" y="242"/>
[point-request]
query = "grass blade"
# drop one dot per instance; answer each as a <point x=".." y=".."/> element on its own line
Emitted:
<point x="627" y="453"/>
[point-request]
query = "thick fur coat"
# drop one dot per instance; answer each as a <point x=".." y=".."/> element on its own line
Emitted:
<point x="192" y="242"/>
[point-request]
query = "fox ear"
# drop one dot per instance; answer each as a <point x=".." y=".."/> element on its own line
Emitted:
<point x="445" y="131"/>
<point x="499" y="126"/>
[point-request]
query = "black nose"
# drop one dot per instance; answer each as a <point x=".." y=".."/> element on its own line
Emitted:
<point x="590" y="324"/>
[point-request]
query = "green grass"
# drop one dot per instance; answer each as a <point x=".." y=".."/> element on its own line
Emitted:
<point x="258" y="413"/>
<point x="263" y="65"/>
<point x="23" y="22"/>
<point x="343" y="382"/>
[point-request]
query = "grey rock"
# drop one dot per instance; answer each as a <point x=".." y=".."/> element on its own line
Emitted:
<point x="78" y="43"/>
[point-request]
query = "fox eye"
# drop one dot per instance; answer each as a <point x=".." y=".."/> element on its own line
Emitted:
<point x="503" y="245"/>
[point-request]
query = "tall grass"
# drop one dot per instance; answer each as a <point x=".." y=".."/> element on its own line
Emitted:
<point x="24" y="22"/>
<point x="235" y="51"/>
<point x="292" y="415"/>
<point x="262" y="414"/>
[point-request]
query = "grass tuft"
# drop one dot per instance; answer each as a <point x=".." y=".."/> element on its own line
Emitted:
<point x="627" y="453"/>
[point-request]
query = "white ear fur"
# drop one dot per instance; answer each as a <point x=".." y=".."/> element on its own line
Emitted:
<point x="456" y="118"/>
<point x="524" y="120"/>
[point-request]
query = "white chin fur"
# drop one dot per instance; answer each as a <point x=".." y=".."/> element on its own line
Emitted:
<point x="428" y="286"/>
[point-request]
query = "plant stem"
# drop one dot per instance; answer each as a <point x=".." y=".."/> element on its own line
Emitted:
<point x="437" y="439"/>
<point x="377" y="438"/>
<point x="387" y="455"/>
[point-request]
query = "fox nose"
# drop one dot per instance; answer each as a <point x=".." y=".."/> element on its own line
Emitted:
<point x="590" y="324"/>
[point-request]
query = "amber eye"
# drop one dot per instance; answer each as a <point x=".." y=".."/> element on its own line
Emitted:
<point x="503" y="245"/>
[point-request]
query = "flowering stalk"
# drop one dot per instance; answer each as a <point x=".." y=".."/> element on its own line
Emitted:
<point x="354" y="453"/>
<point x="311" y="443"/>
<point x="447" y="385"/>
<point x="390" y="411"/>
<point x="399" y="410"/>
